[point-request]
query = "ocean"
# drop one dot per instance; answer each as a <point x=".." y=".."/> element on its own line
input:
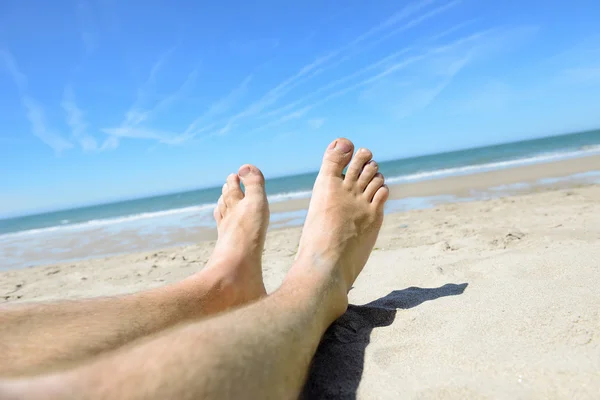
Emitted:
<point x="191" y="209"/>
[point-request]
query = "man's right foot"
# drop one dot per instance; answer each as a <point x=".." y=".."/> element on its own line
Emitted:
<point x="233" y="274"/>
<point x="343" y="221"/>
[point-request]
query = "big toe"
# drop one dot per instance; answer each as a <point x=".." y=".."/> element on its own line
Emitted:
<point x="253" y="180"/>
<point x="337" y="156"/>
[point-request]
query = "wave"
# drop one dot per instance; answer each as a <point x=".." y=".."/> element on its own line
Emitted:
<point x="471" y="169"/>
<point x="64" y="226"/>
<point x="112" y="221"/>
<point x="279" y="197"/>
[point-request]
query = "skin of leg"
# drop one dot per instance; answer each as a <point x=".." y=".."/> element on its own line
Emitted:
<point x="259" y="351"/>
<point x="262" y="350"/>
<point x="37" y="337"/>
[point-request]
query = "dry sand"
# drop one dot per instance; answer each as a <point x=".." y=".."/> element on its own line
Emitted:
<point x="489" y="299"/>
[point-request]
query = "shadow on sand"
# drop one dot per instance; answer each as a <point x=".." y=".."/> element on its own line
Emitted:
<point x="337" y="367"/>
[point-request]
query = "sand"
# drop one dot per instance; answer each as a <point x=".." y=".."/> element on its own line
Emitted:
<point x="487" y="299"/>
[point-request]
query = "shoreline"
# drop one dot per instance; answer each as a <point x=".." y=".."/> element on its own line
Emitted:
<point x="101" y="243"/>
<point x="463" y="184"/>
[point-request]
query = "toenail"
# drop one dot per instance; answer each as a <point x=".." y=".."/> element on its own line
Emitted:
<point x="343" y="146"/>
<point x="373" y="163"/>
<point x="244" y="171"/>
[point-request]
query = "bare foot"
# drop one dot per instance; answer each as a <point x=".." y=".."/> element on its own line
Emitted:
<point x="242" y="220"/>
<point x="343" y="221"/>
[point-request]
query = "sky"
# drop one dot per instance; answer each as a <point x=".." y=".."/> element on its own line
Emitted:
<point x="104" y="99"/>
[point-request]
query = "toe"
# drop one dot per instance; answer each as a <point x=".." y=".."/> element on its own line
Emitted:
<point x="217" y="215"/>
<point x="357" y="164"/>
<point x="337" y="156"/>
<point x="222" y="206"/>
<point x="381" y="197"/>
<point x="373" y="186"/>
<point x="367" y="175"/>
<point x="234" y="192"/>
<point x="253" y="180"/>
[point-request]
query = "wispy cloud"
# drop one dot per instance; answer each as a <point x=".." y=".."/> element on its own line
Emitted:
<point x="453" y="29"/>
<point x="138" y="114"/>
<point x="219" y="107"/>
<point x="386" y="70"/>
<point x="392" y="62"/>
<point x="76" y="121"/>
<point x="319" y="65"/>
<point x="143" y="133"/>
<point x="418" y="20"/>
<point x="391" y="21"/>
<point x="269" y="98"/>
<point x="146" y="107"/>
<point x="35" y="114"/>
<point x="10" y="64"/>
<point x="138" y="111"/>
<point x="86" y="23"/>
<point x="316" y="93"/>
<point x="421" y="97"/>
<point x="34" y="111"/>
<point x="75" y="118"/>
<point x="411" y="16"/>
<point x="580" y="64"/>
<point x="316" y="123"/>
<point x="224" y="104"/>
<point x="430" y="62"/>
<point x="110" y="143"/>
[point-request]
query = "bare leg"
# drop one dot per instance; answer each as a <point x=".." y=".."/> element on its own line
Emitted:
<point x="263" y="350"/>
<point x="39" y="336"/>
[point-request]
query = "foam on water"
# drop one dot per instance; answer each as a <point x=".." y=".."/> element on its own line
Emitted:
<point x="113" y="221"/>
<point x="279" y="197"/>
<point x="180" y="212"/>
<point x="478" y="168"/>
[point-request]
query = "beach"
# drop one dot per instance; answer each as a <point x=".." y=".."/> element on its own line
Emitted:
<point x="489" y="290"/>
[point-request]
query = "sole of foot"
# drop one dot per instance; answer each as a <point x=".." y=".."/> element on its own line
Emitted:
<point x="343" y="221"/>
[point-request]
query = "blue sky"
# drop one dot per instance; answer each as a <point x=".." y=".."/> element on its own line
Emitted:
<point x="107" y="99"/>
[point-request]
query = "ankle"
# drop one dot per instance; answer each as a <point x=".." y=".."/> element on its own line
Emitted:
<point x="308" y="281"/>
<point x="206" y="292"/>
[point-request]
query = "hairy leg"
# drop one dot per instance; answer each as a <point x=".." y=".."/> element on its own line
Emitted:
<point x="262" y="350"/>
<point x="49" y="335"/>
